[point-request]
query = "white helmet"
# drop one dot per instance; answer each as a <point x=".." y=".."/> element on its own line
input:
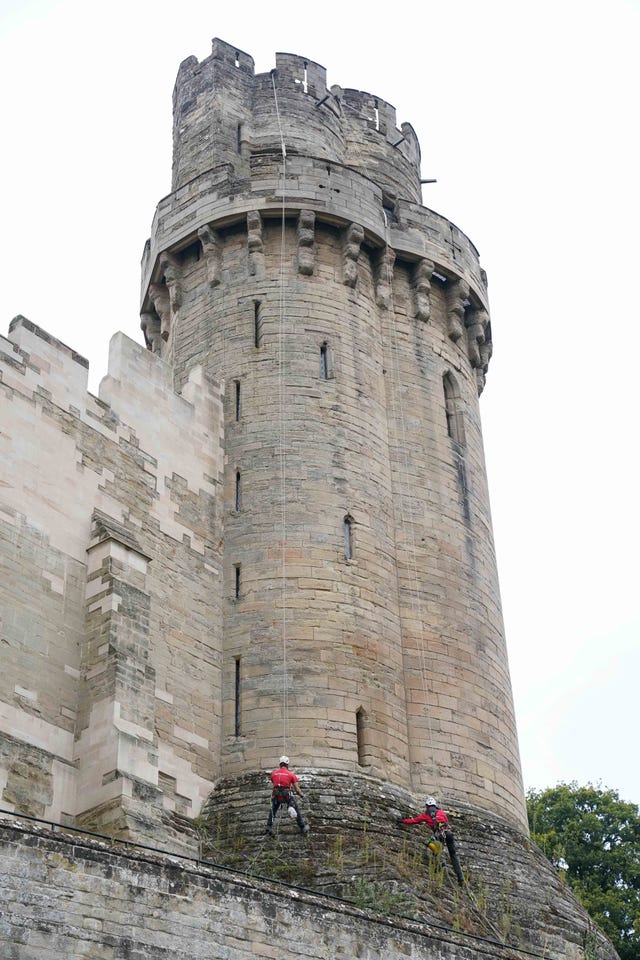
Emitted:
<point x="430" y="802"/>
<point x="284" y="760"/>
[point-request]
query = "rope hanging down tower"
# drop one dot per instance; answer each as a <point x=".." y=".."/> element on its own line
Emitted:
<point x="282" y="394"/>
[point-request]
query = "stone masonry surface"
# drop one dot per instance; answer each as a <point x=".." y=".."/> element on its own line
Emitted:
<point x="108" y="527"/>
<point x="270" y="531"/>
<point x="396" y="659"/>
<point x="71" y="897"/>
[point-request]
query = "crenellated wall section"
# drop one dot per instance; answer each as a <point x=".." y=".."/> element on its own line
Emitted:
<point x="109" y="548"/>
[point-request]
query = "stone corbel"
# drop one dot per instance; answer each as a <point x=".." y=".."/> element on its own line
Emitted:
<point x="255" y="244"/>
<point x="479" y="344"/>
<point x="159" y="295"/>
<point x="486" y="351"/>
<point x="422" y="287"/>
<point x="212" y="252"/>
<point x="384" y="277"/>
<point x="458" y="293"/>
<point x="475" y="322"/>
<point x="150" y="326"/>
<point x="172" y="272"/>
<point x="352" y="242"/>
<point x="306" y="236"/>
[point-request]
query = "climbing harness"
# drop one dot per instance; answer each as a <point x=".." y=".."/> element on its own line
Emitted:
<point x="281" y="794"/>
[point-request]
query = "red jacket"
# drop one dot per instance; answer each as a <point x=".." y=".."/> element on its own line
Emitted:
<point x="283" y="778"/>
<point x="441" y="818"/>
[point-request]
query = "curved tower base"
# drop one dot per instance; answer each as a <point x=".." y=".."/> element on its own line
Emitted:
<point x="356" y="850"/>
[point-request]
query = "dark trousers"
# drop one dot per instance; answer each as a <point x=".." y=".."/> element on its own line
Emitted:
<point x="451" y="847"/>
<point x="275" y="806"/>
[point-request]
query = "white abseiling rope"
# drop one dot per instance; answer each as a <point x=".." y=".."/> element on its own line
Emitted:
<point x="283" y="435"/>
<point x="416" y="605"/>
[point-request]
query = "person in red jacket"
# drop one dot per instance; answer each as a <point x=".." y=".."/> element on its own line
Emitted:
<point x="283" y="780"/>
<point x="437" y="819"/>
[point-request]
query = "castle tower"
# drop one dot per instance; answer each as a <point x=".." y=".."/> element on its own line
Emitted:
<point x="294" y="262"/>
<point x="270" y="532"/>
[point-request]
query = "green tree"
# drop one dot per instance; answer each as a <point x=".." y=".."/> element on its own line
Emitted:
<point x="594" y="837"/>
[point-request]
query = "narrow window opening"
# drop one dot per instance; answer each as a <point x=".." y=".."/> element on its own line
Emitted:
<point x="257" y="323"/>
<point x="377" y="115"/>
<point x="348" y="537"/>
<point x="360" y="719"/>
<point x="237" y="699"/>
<point x="238" y="496"/>
<point x="237" y="581"/>
<point x="326" y="361"/>
<point x="239" y="138"/>
<point x="453" y="409"/>
<point x="237" y="60"/>
<point x="237" y="399"/>
<point x="324" y="364"/>
<point x="305" y="85"/>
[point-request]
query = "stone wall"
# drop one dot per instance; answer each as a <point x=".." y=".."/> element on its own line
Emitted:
<point x="66" y="896"/>
<point x="109" y="551"/>
<point x="223" y="113"/>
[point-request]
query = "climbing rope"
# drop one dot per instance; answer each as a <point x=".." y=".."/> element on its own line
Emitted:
<point x="416" y="605"/>
<point x="408" y="528"/>
<point x="282" y="446"/>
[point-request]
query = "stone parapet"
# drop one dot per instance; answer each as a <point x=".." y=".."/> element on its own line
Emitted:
<point x="335" y="193"/>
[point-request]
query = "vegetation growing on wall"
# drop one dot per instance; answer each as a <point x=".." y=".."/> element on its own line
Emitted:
<point x="368" y="870"/>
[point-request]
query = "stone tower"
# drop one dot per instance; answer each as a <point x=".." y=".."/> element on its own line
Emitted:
<point x="294" y="262"/>
<point x="270" y="532"/>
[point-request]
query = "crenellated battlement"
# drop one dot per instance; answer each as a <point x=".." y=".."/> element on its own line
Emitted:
<point x="224" y="113"/>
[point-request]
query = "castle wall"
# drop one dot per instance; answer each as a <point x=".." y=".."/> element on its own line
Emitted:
<point x="110" y="690"/>
<point x="72" y="898"/>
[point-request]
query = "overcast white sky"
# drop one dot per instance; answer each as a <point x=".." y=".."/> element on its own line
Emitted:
<point x="528" y="117"/>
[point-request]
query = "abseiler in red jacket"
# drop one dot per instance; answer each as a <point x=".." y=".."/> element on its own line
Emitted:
<point x="438" y="821"/>
<point x="283" y="780"/>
